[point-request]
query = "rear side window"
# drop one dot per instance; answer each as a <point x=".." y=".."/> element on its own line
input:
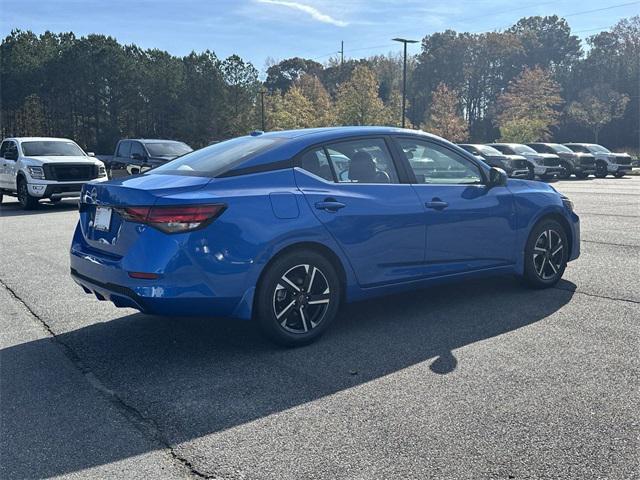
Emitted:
<point x="136" y="147"/>
<point x="217" y="159"/>
<point x="124" y="149"/>
<point x="9" y="150"/>
<point x="362" y="161"/>
<point x="315" y="161"/>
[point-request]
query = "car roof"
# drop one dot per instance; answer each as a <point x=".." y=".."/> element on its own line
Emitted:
<point x="40" y="139"/>
<point x="150" y="140"/>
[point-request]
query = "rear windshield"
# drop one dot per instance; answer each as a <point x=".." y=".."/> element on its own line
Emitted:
<point x="217" y="159"/>
<point x="168" y="149"/>
<point x="51" y="149"/>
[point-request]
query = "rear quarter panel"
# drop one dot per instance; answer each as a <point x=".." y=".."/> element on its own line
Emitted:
<point x="265" y="214"/>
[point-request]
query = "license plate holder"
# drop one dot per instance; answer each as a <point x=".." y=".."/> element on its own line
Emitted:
<point x="102" y="219"/>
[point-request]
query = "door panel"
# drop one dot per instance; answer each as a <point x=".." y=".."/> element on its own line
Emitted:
<point x="379" y="227"/>
<point x="469" y="226"/>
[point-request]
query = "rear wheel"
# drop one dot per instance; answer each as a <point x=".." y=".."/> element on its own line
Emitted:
<point x="546" y="254"/>
<point x="27" y="202"/>
<point x="298" y="297"/>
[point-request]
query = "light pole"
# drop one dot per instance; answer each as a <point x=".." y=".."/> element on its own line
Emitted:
<point x="262" y="92"/>
<point x="404" y="73"/>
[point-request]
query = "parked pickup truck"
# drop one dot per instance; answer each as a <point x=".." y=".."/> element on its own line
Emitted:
<point x="577" y="163"/>
<point x="33" y="168"/>
<point x="137" y="155"/>
<point x="543" y="165"/>
<point x="607" y="162"/>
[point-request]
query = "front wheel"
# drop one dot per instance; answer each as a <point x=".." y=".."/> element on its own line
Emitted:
<point x="546" y="254"/>
<point x="27" y="202"/>
<point x="298" y="297"/>
<point x="601" y="170"/>
<point x="566" y="172"/>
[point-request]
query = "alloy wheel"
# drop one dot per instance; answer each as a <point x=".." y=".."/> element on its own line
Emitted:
<point x="548" y="254"/>
<point x="301" y="298"/>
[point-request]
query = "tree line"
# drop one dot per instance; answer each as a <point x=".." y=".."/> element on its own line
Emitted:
<point x="534" y="81"/>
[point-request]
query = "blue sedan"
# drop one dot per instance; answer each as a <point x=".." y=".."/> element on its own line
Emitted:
<point x="283" y="227"/>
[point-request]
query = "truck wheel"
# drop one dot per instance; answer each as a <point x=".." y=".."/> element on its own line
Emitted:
<point x="546" y="254"/>
<point x="27" y="202"/>
<point x="531" y="175"/>
<point x="582" y="175"/>
<point x="0" y="198"/>
<point x="601" y="170"/>
<point x="619" y="174"/>
<point x="566" y="171"/>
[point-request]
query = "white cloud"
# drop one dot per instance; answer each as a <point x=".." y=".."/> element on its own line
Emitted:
<point x="312" y="11"/>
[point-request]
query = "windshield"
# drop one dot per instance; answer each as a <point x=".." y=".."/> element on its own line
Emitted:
<point x="560" y="148"/>
<point x="51" y="148"/>
<point x="523" y="149"/>
<point x="167" y="149"/>
<point x="486" y="150"/>
<point x="599" y="149"/>
<point x="216" y="159"/>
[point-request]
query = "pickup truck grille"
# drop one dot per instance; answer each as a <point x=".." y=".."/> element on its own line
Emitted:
<point x="70" y="172"/>
<point x="623" y="161"/>
<point x="519" y="164"/>
<point x="587" y="161"/>
<point x="551" y="162"/>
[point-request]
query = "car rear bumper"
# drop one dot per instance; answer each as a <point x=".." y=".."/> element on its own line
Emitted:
<point x="181" y="289"/>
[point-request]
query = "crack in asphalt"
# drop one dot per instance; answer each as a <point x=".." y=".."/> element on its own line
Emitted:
<point x="612" y="244"/>
<point x="147" y="426"/>
<point x="617" y="299"/>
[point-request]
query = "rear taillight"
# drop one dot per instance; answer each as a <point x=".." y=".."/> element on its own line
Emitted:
<point x="173" y="219"/>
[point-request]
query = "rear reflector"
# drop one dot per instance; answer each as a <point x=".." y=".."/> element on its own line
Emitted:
<point x="173" y="219"/>
<point x="144" y="275"/>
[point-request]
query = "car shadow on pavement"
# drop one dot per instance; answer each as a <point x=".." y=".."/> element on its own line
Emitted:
<point x="190" y="377"/>
<point x="13" y="209"/>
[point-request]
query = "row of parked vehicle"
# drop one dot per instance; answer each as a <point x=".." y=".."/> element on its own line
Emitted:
<point x="34" y="168"/>
<point x="549" y="160"/>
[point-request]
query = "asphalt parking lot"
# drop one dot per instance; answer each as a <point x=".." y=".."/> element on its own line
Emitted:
<point x="484" y="379"/>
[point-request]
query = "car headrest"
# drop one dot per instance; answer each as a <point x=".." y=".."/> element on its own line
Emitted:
<point x="362" y="168"/>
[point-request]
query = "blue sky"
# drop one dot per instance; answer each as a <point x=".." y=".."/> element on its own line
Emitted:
<point x="258" y="29"/>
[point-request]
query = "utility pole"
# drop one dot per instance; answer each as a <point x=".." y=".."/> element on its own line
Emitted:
<point x="404" y="73"/>
<point x="262" y="92"/>
<point x="341" y="52"/>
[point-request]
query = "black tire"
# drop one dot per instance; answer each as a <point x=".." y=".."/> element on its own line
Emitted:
<point x="566" y="172"/>
<point x="1" y="196"/>
<point x="531" y="175"/>
<point x="601" y="170"/>
<point x="27" y="202"/>
<point x="619" y="174"/>
<point x="281" y="304"/>
<point x="542" y="267"/>
<point x="546" y="176"/>
<point x="582" y="175"/>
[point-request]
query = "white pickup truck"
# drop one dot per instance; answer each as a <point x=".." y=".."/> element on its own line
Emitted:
<point x="33" y="168"/>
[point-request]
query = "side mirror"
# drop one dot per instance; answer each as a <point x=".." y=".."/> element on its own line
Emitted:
<point x="497" y="177"/>
<point x="91" y="154"/>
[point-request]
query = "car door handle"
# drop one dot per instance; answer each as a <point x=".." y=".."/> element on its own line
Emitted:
<point x="436" y="204"/>
<point x="330" y="205"/>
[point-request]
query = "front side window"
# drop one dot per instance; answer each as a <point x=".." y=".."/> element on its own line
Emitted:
<point x="9" y="150"/>
<point x="136" y="149"/>
<point x="315" y="161"/>
<point x="51" y="149"/>
<point x="362" y="161"/>
<point x="217" y="159"/>
<point x="487" y="150"/>
<point x="599" y="149"/>
<point x="432" y="163"/>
